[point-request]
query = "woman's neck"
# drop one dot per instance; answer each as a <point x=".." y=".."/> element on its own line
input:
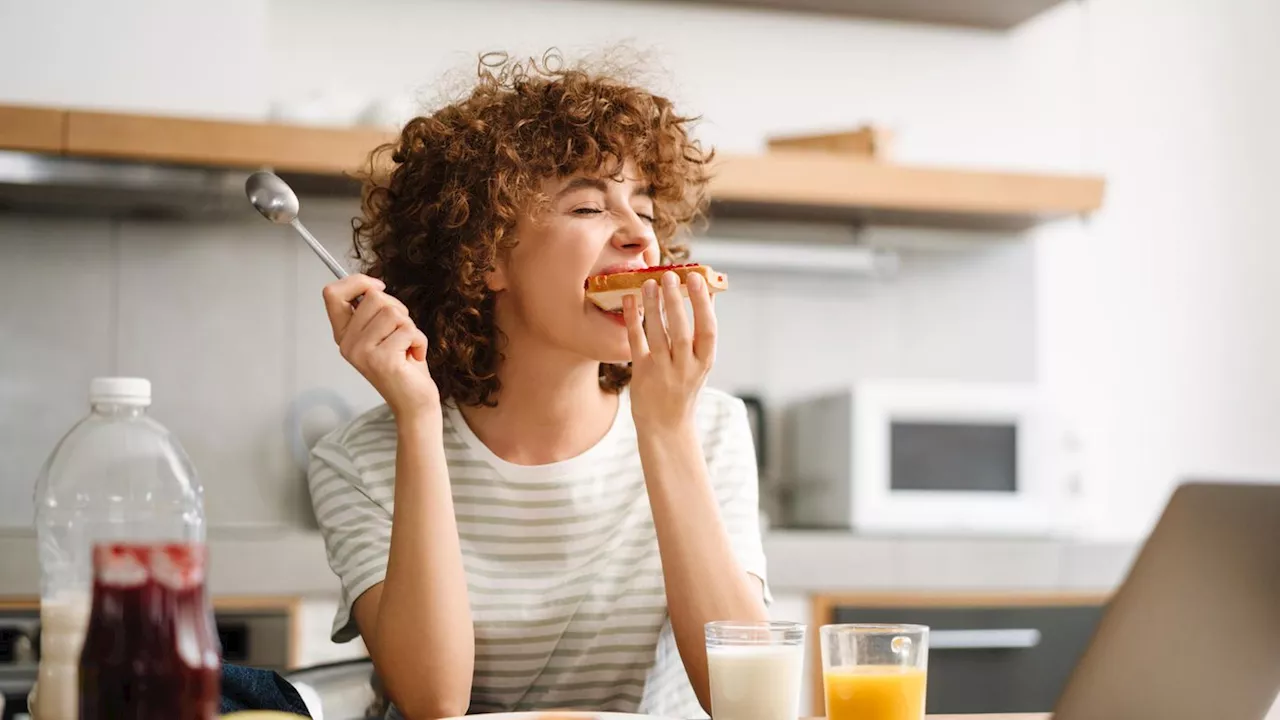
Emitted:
<point x="547" y="411"/>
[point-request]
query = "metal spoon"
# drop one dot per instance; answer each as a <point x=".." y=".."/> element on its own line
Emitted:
<point x="277" y="202"/>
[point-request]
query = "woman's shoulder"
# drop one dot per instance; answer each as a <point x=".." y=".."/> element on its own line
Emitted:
<point x="725" y="429"/>
<point x="719" y="411"/>
<point x="364" y="447"/>
<point x="370" y="426"/>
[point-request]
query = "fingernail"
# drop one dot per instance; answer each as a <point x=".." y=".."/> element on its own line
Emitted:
<point x="650" y="289"/>
<point x="695" y="281"/>
<point x="670" y="279"/>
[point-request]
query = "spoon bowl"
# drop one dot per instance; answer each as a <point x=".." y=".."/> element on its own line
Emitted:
<point x="272" y="197"/>
<point x="277" y="202"/>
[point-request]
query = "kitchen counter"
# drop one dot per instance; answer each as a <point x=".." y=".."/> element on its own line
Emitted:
<point x="258" y="564"/>
<point x="825" y="561"/>
<point x="1002" y="716"/>
<point x="294" y="563"/>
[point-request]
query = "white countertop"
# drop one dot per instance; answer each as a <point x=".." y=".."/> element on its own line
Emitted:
<point x="294" y="563"/>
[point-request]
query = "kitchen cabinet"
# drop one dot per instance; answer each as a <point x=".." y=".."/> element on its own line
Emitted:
<point x="253" y="630"/>
<point x="989" y="653"/>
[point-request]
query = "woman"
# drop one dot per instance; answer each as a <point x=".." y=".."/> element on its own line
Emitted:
<point x="529" y="522"/>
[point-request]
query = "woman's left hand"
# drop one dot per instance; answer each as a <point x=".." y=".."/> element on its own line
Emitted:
<point x="669" y="361"/>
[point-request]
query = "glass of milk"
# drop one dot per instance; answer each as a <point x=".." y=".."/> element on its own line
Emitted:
<point x="755" y="669"/>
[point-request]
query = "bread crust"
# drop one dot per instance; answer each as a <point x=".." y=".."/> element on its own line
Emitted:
<point x="633" y="279"/>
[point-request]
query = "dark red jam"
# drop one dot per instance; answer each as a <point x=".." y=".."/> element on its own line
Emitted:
<point x="151" y="650"/>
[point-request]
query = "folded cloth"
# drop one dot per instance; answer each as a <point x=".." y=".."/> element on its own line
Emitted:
<point x="246" y="688"/>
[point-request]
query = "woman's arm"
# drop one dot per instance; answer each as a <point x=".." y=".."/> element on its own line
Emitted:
<point x="704" y="579"/>
<point x="417" y="622"/>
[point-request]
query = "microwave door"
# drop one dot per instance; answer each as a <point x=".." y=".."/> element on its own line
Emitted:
<point x="953" y="457"/>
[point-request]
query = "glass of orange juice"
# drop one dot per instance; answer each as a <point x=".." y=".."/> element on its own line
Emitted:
<point x="874" y="672"/>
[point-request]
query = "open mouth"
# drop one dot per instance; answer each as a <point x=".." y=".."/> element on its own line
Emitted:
<point x="615" y="315"/>
<point x="610" y="303"/>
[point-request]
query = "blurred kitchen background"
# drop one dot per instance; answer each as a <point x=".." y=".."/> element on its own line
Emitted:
<point x="1114" y="312"/>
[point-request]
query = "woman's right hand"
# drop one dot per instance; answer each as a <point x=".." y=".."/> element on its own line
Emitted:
<point x="380" y="340"/>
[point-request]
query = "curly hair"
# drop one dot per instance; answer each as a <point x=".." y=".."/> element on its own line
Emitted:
<point x="438" y="214"/>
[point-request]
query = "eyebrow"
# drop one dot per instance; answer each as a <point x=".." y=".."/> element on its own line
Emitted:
<point x="600" y="184"/>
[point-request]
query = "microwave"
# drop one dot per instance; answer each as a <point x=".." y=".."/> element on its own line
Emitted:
<point x="921" y="457"/>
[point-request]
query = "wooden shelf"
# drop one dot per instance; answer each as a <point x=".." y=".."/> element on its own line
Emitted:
<point x="325" y="151"/>
<point x="32" y="129"/>
<point x="808" y="183"/>
<point x="984" y="14"/>
<point x="791" y="184"/>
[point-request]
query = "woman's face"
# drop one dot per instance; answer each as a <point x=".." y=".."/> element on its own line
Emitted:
<point x="593" y="225"/>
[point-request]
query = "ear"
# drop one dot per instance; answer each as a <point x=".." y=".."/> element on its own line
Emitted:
<point x="496" y="279"/>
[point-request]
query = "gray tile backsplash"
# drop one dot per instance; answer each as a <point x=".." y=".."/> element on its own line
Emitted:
<point x="326" y="391"/>
<point x="206" y="312"/>
<point x="226" y="319"/>
<point x="57" y="330"/>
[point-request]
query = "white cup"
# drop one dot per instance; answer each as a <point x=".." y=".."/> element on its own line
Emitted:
<point x="755" y="669"/>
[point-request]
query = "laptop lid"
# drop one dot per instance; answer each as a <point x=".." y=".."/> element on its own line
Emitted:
<point x="1193" y="633"/>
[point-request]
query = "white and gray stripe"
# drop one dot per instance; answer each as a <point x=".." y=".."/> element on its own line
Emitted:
<point x="563" y="572"/>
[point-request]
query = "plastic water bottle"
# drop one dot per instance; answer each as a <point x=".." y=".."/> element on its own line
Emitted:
<point x="117" y="475"/>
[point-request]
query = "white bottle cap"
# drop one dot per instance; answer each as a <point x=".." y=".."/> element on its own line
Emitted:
<point x="120" y="390"/>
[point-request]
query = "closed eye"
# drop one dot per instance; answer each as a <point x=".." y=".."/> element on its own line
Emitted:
<point x="587" y="211"/>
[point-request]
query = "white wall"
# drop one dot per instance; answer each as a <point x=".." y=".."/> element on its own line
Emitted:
<point x="182" y="56"/>
<point x="748" y="73"/>
<point x="1157" y="322"/>
<point x="1149" y="323"/>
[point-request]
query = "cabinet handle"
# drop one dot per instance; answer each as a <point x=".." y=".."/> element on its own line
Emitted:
<point x="996" y="639"/>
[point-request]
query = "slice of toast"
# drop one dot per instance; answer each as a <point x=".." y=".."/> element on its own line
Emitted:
<point x="607" y="291"/>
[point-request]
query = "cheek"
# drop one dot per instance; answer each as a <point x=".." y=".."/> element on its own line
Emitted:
<point x="552" y="288"/>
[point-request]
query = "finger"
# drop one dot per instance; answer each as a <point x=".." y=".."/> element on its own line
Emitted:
<point x="704" y="318"/>
<point x="339" y="294"/>
<point x="405" y="341"/>
<point x="416" y="348"/>
<point x="374" y="302"/>
<point x="364" y="332"/>
<point x="384" y="324"/>
<point x="654" y="330"/>
<point x="419" y="347"/>
<point x="679" y="334"/>
<point x="635" y="328"/>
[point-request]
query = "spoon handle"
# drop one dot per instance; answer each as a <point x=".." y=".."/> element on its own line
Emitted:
<point x="338" y="271"/>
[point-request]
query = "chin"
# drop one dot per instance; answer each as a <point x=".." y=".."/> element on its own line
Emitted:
<point x="606" y="338"/>
<point x="608" y="346"/>
<point x="612" y="353"/>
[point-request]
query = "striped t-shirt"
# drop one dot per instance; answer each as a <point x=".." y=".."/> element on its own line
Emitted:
<point x="563" y="573"/>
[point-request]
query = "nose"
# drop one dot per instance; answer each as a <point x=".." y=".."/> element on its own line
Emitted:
<point x="633" y="235"/>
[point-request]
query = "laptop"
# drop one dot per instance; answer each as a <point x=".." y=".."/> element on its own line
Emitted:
<point x="1193" y="633"/>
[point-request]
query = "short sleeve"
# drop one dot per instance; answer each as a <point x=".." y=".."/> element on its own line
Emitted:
<point x="356" y="529"/>
<point x="731" y="463"/>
